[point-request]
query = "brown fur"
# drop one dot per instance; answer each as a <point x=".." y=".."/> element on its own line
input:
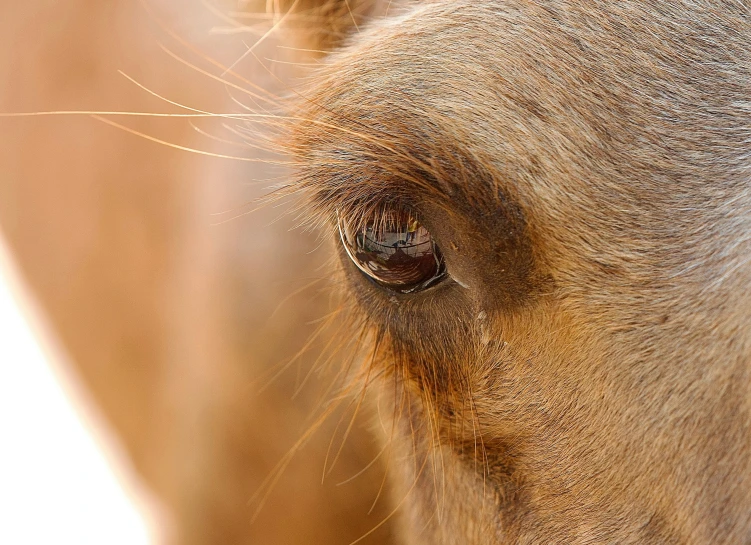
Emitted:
<point x="585" y="168"/>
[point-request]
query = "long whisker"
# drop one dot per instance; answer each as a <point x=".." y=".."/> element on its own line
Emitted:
<point x="263" y="38"/>
<point x="108" y="113"/>
<point x="167" y="30"/>
<point x="268" y="484"/>
<point x="215" y="138"/>
<point x="352" y="16"/>
<point x="370" y="464"/>
<point x="270" y="98"/>
<point x="398" y="506"/>
<point x="398" y="411"/>
<point x="165" y="99"/>
<point x="316" y="363"/>
<point x="361" y="397"/>
<point x="184" y="148"/>
<point x="286" y="365"/>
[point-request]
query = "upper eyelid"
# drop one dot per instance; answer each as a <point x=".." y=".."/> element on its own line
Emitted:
<point x="366" y="205"/>
<point x="333" y="186"/>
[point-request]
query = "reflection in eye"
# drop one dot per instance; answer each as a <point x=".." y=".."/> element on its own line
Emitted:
<point x="395" y="250"/>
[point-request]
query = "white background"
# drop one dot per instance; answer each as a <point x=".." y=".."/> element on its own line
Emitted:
<point x="61" y="478"/>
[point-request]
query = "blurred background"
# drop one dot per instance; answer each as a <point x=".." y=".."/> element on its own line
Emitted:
<point x="172" y="308"/>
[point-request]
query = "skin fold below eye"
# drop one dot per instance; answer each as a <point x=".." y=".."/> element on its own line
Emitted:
<point x="395" y="250"/>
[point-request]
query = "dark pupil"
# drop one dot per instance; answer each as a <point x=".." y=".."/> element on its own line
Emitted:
<point x="396" y="251"/>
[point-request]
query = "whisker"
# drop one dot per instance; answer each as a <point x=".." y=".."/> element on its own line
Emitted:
<point x="184" y="148"/>
<point x="215" y="138"/>
<point x="315" y="364"/>
<point x="398" y="411"/>
<point x="109" y="113"/>
<point x="370" y="464"/>
<point x="263" y="38"/>
<point x="269" y="97"/>
<point x="398" y="506"/>
<point x="167" y="30"/>
<point x="268" y="484"/>
<point x="304" y="50"/>
<point x="352" y="16"/>
<point x="286" y="365"/>
<point x="361" y="397"/>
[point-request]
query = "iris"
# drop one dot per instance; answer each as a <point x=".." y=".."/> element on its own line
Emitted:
<point x="393" y="249"/>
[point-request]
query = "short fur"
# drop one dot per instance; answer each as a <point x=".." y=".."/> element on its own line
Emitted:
<point x="584" y="167"/>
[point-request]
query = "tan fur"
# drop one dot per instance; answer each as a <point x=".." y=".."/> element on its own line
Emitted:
<point x="585" y="168"/>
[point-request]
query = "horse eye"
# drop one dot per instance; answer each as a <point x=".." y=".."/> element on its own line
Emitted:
<point x="394" y="250"/>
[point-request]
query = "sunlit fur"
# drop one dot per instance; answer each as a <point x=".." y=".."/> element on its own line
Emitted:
<point x="585" y="169"/>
